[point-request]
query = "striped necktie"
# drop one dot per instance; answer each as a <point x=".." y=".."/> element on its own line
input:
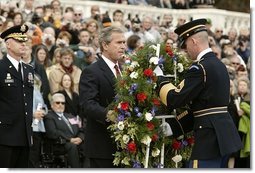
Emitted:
<point x="117" y="70"/>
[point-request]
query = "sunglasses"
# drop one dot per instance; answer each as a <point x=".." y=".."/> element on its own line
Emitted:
<point x="219" y="31"/>
<point x="63" y="103"/>
<point x="77" y="14"/>
<point x="235" y="63"/>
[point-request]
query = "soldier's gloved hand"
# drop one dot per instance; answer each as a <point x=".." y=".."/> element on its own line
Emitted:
<point x="161" y="80"/>
<point x="166" y="129"/>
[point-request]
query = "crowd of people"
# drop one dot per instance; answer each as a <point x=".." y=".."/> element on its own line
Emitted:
<point x="64" y="49"/>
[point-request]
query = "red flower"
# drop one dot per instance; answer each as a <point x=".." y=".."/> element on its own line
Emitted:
<point x="154" y="137"/>
<point x="156" y="102"/>
<point x="191" y="140"/>
<point x="150" y="125"/>
<point x="124" y="106"/>
<point x="148" y="72"/>
<point x="141" y="97"/>
<point x="176" y="145"/>
<point x="131" y="147"/>
<point x="169" y="51"/>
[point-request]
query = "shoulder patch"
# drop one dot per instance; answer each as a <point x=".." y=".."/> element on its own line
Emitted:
<point x="194" y="67"/>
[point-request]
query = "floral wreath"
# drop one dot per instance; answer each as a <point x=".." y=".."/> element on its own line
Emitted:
<point x="134" y="124"/>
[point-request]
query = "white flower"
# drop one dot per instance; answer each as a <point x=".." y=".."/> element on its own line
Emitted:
<point x="134" y="64"/>
<point x="153" y="47"/>
<point x="148" y="116"/>
<point x="127" y="61"/>
<point x="155" y="152"/>
<point x="134" y="75"/>
<point x="177" y="158"/>
<point x="125" y="139"/>
<point x="146" y="140"/>
<point x="154" y="60"/>
<point x="121" y="125"/>
<point x="180" y="67"/>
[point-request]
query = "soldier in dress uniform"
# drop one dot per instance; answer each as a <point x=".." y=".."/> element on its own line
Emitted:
<point x="205" y="89"/>
<point x="16" y="101"/>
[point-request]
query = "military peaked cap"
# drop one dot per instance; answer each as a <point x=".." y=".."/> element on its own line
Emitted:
<point x="16" y="32"/>
<point x="188" y="29"/>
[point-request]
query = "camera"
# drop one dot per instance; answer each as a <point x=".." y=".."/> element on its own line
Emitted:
<point x="97" y="17"/>
<point x="127" y="26"/>
<point x="136" y="27"/>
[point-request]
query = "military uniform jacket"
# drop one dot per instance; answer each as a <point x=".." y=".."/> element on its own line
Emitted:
<point x="16" y="104"/>
<point x="206" y="86"/>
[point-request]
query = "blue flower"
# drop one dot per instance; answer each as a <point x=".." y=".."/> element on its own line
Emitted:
<point x="136" y="109"/>
<point x="185" y="143"/>
<point x="128" y="114"/>
<point x="139" y="114"/>
<point x="137" y="164"/>
<point x="134" y="86"/>
<point x="161" y="60"/>
<point x="121" y="117"/>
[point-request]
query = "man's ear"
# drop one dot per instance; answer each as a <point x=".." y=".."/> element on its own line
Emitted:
<point x="105" y="45"/>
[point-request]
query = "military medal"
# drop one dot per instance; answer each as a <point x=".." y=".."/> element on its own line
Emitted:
<point x="8" y="78"/>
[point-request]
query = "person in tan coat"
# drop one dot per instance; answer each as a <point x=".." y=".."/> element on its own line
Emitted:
<point x="65" y="66"/>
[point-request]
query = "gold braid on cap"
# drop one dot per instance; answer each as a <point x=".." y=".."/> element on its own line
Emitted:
<point x="17" y="36"/>
<point x="197" y="26"/>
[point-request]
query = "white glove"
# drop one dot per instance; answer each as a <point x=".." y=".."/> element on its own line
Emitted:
<point x="158" y="71"/>
<point x="167" y="131"/>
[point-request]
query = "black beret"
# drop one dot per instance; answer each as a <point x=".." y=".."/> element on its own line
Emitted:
<point x="188" y="29"/>
<point x="16" y="32"/>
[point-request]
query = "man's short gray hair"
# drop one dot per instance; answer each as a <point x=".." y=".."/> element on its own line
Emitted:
<point x="56" y="96"/>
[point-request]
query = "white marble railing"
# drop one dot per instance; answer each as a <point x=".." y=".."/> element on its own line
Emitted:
<point x="223" y="18"/>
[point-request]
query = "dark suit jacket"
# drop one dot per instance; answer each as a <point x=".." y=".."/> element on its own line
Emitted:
<point x="55" y="127"/>
<point x="16" y="104"/>
<point x="207" y="86"/>
<point x="72" y="105"/>
<point x="96" y="90"/>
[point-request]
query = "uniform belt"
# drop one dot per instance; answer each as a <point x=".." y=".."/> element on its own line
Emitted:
<point x="215" y="110"/>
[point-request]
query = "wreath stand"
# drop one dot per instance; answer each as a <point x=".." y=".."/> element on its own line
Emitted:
<point x="162" y="117"/>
